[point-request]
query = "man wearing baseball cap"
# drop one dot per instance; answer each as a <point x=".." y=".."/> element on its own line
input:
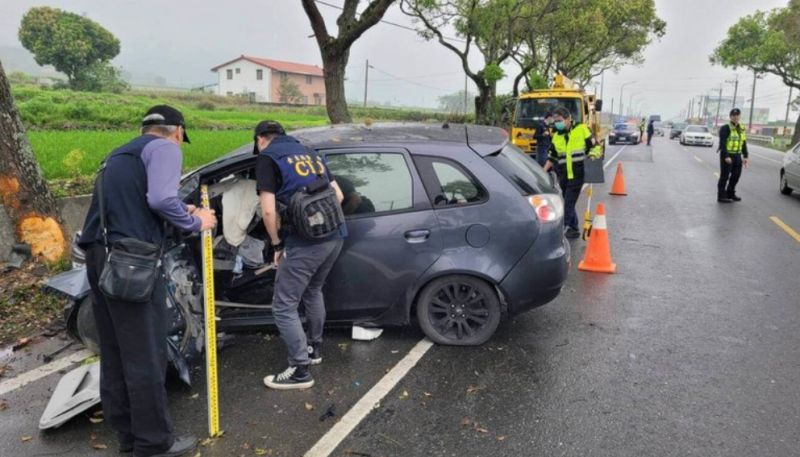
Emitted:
<point x="732" y="155"/>
<point x="140" y="193"/>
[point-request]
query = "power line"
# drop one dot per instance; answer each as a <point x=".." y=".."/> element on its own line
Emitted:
<point x="407" y="80"/>
<point x="394" y="24"/>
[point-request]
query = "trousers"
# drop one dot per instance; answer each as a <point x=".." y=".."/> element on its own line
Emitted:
<point x="299" y="279"/>
<point x="729" y="175"/>
<point x="133" y="363"/>
<point x="571" y="190"/>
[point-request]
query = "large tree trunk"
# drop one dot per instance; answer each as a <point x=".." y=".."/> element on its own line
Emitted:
<point x="796" y="134"/>
<point x="484" y="105"/>
<point x="27" y="200"/>
<point x="335" y="99"/>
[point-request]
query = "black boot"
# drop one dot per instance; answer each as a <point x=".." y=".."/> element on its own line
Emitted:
<point x="721" y="198"/>
<point x="734" y="197"/>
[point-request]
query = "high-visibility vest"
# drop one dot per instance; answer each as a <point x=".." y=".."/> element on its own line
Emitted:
<point x="573" y="150"/>
<point x="736" y="139"/>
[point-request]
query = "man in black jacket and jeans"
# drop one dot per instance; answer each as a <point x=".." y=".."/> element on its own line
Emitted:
<point x="140" y="192"/>
<point x="732" y="156"/>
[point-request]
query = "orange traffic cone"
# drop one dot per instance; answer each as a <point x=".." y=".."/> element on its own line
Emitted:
<point x="598" y="250"/>
<point x="618" y="188"/>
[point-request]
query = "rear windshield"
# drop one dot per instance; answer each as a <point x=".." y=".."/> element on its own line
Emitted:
<point x="697" y="128"/>
<point x="624" y="127"/>
<point x="522" y="171"/>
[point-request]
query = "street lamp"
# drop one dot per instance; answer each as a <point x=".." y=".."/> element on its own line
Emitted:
<point x="630" y="101"/>
<point x="621" y="112"/>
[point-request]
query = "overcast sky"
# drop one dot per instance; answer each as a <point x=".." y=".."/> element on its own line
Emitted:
<point x="182" y="40"/>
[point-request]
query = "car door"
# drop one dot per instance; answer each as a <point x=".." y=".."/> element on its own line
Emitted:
<point x="792" y="168"/>
<point x="393" y="235"/>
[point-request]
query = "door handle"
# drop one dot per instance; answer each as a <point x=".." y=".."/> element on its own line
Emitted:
<point x="417" y="236"/>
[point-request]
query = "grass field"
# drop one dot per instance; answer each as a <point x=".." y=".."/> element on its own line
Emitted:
<point x="52" y="147"/>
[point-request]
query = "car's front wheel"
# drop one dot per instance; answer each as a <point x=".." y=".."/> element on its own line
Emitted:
<point x="458" y="310"/>
<point x="785" y="189"/>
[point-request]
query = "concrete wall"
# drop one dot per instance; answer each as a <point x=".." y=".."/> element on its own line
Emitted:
<point x="245" y="81"/>
<point x="73" y="210"/>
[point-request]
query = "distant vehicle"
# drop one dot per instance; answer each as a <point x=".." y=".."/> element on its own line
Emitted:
<point x="659" y="127"/>
<point x="676" y="130"/>
<point x="624" y="133"/>
<point x="790" y="171"/>
<point x="698" y="135"/>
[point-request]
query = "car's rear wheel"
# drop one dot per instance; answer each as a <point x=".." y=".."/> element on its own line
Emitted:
<point x="785" y="189"/>
<point x="458" y="310"/>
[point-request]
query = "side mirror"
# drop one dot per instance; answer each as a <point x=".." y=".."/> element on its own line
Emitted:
<point x="598" y="105"/>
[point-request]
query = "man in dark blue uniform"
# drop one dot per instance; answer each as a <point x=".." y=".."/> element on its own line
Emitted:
<point x="140" y="193"/>
<point x="284" y="167"/>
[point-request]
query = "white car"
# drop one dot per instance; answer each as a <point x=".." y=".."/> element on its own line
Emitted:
<point x="697" y="135"/>
<point x="790" y="171"/>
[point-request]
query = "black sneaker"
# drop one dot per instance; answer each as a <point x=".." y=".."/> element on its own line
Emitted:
<point x="183" y="445"/>
<point x="297" y="377"/>
<point x="572" y="233"/>
<point x="734" y="197"/>
<point x="315" y="353"/>
<point x="724" y="200"/>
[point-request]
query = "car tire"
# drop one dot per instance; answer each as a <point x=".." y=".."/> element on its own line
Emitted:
<point x="458" y="310"/>
<point x="86" y="325"/>
<point x="785" y="189"/>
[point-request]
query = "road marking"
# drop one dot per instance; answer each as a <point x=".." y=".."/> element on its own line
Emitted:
<point x="44" y="370"/>
<point x="698" y="159"/>
<point x="786" y="228"/>
<point x="767" y="158"/>
<point x="331" y="440"/>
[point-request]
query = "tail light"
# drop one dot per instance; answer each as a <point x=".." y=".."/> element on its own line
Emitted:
<point x="548" y="207"/>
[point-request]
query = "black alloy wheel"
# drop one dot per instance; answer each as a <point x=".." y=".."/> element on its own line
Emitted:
<point x="458" y="310"/>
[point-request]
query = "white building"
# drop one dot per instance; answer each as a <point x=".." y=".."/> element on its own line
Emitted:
<point x="260" y="79"/>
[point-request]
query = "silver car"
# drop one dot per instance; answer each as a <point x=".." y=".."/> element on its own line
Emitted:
<point x="790" y="171"/>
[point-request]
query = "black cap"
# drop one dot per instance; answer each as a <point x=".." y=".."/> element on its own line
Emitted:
<point x="735" y="111"/>
<point x="165" y="115"/>
<point x="266" y="128"/>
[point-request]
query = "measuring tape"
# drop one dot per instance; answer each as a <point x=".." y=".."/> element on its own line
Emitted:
<point x="210" y="324"/>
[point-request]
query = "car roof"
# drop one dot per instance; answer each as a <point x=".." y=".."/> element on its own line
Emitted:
<point x="484" y="140"/>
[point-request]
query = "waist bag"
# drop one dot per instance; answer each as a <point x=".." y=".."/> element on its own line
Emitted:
<point x="314" y="211"/>
<point x="132" y="265"/>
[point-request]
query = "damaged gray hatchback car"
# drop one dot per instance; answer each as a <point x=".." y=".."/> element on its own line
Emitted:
<point x="450" y="226"/>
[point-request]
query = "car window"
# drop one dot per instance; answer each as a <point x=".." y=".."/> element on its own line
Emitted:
<point x="697" y="129"/>
<point x="448" y="183"/>
<point x="522" y="171"/>
<point x="372" y="182"/>
<point x="624" y="127"/>
<point x="530" y="110"/>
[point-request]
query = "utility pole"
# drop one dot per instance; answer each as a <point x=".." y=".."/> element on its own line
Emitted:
<point x="703" y="107"/>
<point x="788" y="105"/>
<point x="602" y="84"/>
<point x="752" y="102"/>
<point x="612" y="110"/>
<point x="366" y="82"/>
<point x="621" y="112"/>
<point x="719" y="104"/>
<point x="735" y="83"/>
<point x="691" y="108"/>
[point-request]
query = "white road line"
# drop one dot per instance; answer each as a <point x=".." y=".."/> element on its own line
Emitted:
<point x="698" y="159"/>
<point x="766" y="158"/>
<point x="328" y="443"/>
<point x="44" y="370"/>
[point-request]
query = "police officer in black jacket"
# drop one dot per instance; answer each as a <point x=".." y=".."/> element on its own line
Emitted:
<point x="284" y="167"/>
<point x="139" y="188"/>
<point x="732" y="156"/>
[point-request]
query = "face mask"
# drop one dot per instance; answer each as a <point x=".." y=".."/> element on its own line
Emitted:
<point x="560" y="125"/>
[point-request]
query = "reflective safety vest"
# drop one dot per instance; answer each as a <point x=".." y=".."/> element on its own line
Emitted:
<point x="571" y="147"/>
<point x="736" y="139"/>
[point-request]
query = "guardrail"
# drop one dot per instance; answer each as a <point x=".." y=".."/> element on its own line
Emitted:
<point x="764" y="139"/>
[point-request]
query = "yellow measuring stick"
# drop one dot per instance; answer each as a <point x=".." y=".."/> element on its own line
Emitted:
<point x="210" y="324"/>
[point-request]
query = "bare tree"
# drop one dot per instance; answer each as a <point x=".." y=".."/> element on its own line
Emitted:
<point x="335" y="50"/>
<point x="27" y="200"/>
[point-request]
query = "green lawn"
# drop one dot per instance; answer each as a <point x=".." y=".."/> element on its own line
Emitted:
<point x="51" y="148"/>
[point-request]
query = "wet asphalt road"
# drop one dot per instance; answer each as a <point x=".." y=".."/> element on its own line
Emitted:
<point x="691" y="348"/>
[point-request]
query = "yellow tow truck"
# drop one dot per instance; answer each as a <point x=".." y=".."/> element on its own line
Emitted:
<point x="531" y="107"/>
